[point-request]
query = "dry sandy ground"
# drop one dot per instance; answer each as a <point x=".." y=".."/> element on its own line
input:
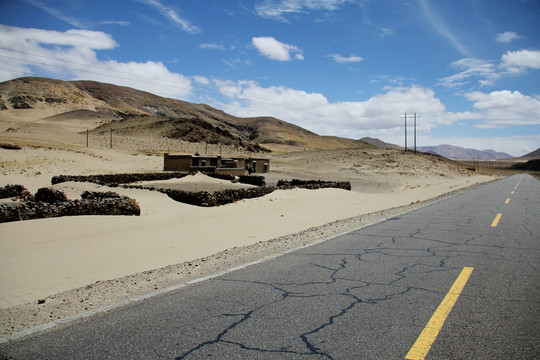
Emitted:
<point x="79" y="264"/>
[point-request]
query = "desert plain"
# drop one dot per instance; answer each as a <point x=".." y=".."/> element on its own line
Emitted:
<point x="57" y="268"/>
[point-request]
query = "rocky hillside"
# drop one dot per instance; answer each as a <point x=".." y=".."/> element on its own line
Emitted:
<point x="456" y="152"/>
<point x="132" y="113"/>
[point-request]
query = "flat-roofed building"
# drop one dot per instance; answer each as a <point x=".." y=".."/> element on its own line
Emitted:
<point x="215" y="164"/>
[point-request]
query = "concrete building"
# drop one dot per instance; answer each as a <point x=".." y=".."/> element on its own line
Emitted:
<point x="235" y="166"/>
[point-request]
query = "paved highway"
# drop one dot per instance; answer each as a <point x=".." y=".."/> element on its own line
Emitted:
<point x="454" y="280"/>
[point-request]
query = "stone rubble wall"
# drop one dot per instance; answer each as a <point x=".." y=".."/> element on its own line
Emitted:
<point x="313" y="184"/>
<point x="206" y="199"/>
<point x="56" y="204"/>
<point x="115" y="179"/>
<point x="15" y="191"/>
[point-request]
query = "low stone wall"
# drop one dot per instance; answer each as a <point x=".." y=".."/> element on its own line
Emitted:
<point x="50" y="196"/>
<point x="313" y="184"/>
<point x="17" y="191"/>
<point x="252" y="180"/>
<point x="91" y="204"/>
<point x="115" y="179"/>
<point x="206" y="199"/>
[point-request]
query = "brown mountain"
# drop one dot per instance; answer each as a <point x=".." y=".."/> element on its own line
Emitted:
<point x="532" y="155"/>
<point x="133" y="112"/>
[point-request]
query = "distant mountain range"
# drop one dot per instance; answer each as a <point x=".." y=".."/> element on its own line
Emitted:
<point x="456" y="152"/>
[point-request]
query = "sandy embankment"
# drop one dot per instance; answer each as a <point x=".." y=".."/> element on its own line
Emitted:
<point x="41" y="258"/>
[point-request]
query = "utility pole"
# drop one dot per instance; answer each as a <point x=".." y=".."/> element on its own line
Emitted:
<point x="415" y="133"/>
<point x="405" y="132"/>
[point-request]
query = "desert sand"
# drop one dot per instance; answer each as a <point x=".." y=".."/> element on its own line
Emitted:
<point x="76" y="264"/>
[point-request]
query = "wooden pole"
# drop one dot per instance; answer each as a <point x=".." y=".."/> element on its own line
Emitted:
<point x="405" y="132"/>
<point x="415" y="133"/>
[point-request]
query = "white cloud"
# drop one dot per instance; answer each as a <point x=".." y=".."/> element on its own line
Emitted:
<point x="21" y="37"/>
<point x="314" y="112"/>
<point x="212" y="46"/>
<point x="275" y="50"/>
<point x="201" y="79"/>
<point x="507" y="36"/>
<point x="504" y="108"/>
<point x="470" y="68"/>
<point x="171" y="14"/>
<point x="278" y="9"/>
<point x="342" y="59"/>
<point x="57" y="14"/>
<point x="518" y="61"/>
<point x="486" y="72"/>
<point x="71" y="55"/>
<point x="440" y="26"/>
<point x="116" y="22"/>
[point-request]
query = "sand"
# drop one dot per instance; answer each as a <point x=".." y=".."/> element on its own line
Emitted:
<point x="76" y="264"/>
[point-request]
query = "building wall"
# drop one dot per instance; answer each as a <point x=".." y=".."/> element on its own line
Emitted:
<point x="211" y="163"/>
<point x="176" y="162"/>
<point x="258" y="165"/>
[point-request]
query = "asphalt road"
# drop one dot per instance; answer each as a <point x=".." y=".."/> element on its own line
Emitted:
<point x="365" y="295"/>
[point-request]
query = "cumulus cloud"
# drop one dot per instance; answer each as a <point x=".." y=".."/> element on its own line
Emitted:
<point x="342" y="59"/>
<point x="486" y="72"/>
<point x="314" y="112"/>
<point x="275" y="50"/>
<point x="20" y="37"/>
<point x="517" y="61"/>
<point x="279" y="9"/>
<point x="72" y="55"/>
<point x="504" y="108"/>
<point x="507" y="36"/>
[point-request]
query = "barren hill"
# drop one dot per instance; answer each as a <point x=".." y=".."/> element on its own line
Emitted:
<point x="456" y="152"/>
<point x="80" y="105"/>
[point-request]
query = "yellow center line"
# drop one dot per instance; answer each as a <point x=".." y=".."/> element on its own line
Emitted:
<point x="496" y="220"/>
<point x="423" y="344"/>
<point x="507" y="201"/>
<point x="512" y="193"/>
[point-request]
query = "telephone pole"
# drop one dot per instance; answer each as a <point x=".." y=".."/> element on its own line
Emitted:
<point x="405" y="132"/>
<point x="415" y="133"/>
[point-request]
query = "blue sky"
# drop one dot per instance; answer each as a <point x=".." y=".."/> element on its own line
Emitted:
<point x="470" y="70"/>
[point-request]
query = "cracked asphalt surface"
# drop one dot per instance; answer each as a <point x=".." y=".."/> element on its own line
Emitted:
<point x="367" y="294"/>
